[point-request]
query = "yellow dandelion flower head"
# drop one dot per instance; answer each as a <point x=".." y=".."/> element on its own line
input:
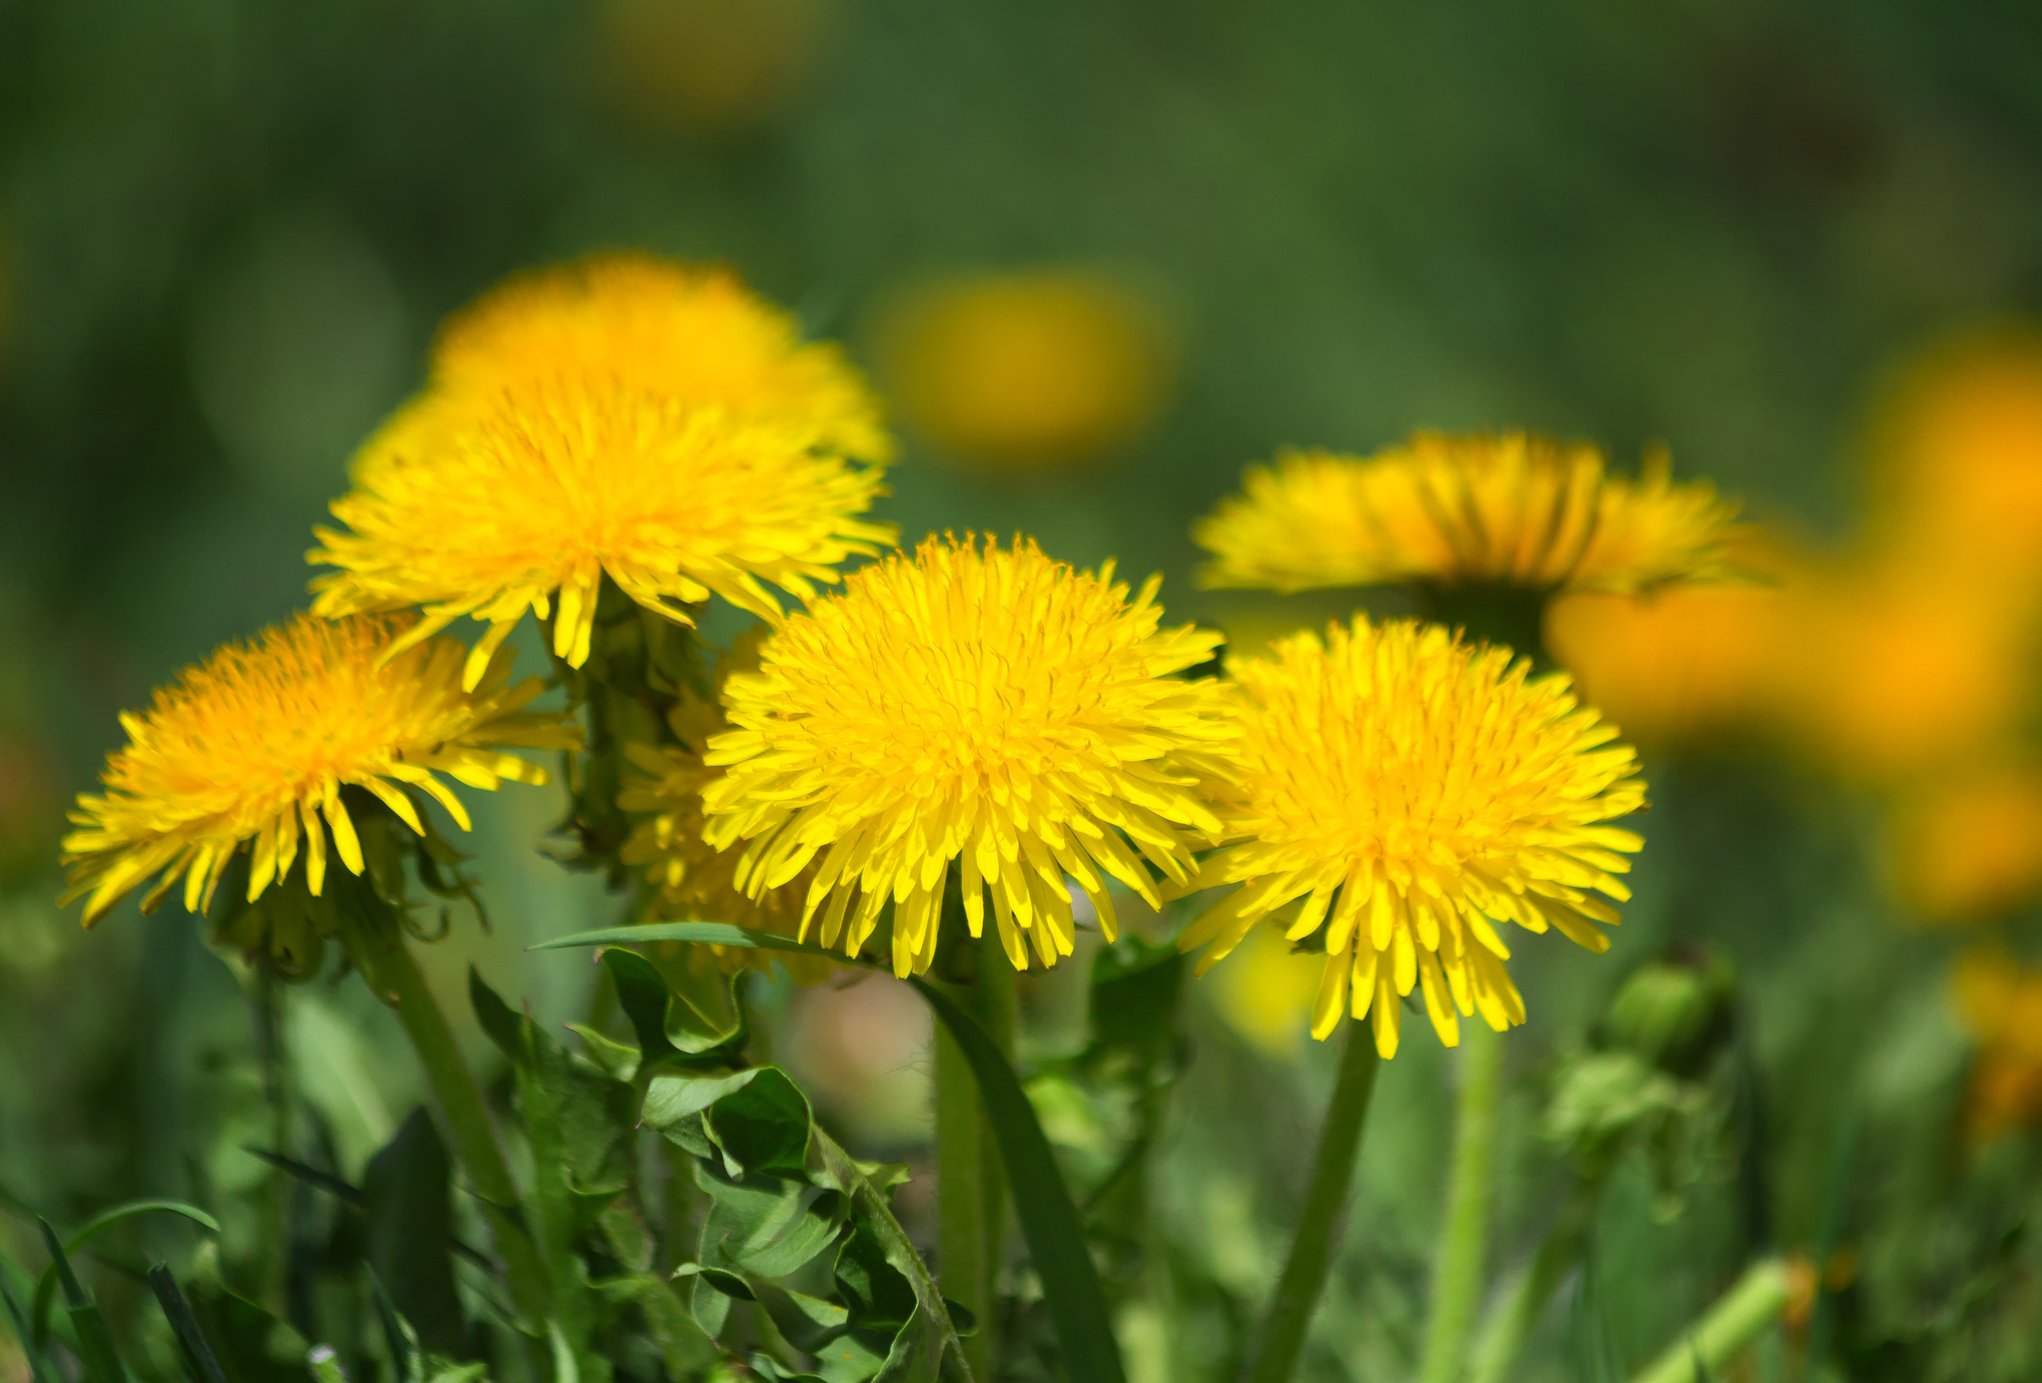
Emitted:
<point x="972" y="706"/>
<point x="1399" y="793"/>
<point x="1969" y="847"/>
<point x="1508" y="508"/>
<point x="691" y="880"/>
<point x="689" y="333"/>
<point x="254" y="745"/>
<point x="1038" y="368"/>
<point x="488" y="505"/>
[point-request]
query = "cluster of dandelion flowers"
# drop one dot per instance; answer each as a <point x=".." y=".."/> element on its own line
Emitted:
<point x="971" y="707"/>
<point x="254" y="747"/>
<point x="487" y="505"/>
<point x="1509" y="508"/>
<point x="1396" y="793"/>
<point x="689" y="879"/>
<point x="689" y="333"/>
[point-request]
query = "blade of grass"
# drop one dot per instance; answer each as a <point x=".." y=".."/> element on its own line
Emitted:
<point x="45" y="1288"/>
<point x="199" y="1360"/>
<point x="96" y="1349"/>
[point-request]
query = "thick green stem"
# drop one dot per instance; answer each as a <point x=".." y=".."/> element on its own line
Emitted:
<point x="392" y="972"/>
<point x="1706" y="1349"/>
<point x="1512" y="1323"/>
<point x="968" y="1177"/>
<point x="1320" y="1218"/>
<point x="1457" y="1277"/>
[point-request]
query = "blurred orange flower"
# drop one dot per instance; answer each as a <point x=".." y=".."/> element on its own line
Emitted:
<point x="710" y="64"/>
<point x="1999" y="1002"/>
<point x="1969" y="847"/>
<point x="1676" y="665"/>
<point x="1958" y="445"/>
<point x="1018" y="371"/>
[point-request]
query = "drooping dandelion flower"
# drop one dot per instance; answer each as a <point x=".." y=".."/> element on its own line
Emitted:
<point x="691" y="880"/>
<point x="1509" y="508"/>
<point x="1395" y="795"/>
<point x="691" y="334"/>
<point x="254" y="747"/>
<point x="489" y="505"/>
<point x="1020" y="371"/>
<point x="973" y="708"/>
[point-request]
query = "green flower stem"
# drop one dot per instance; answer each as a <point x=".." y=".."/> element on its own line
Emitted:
<point x="971" y="1204"/>
<point x="1512" y="1323"/>
<point x="1706" y="1349"/>
<point x="1457" y="1277"/>
<point x="392" y="972"/>
<point x="1320" y="1218"/>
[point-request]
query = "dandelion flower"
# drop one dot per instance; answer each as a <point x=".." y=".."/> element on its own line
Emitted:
<point x="1510" y="508"/>
<point x="1018" y="371"/>
<point x="690" y="879"/>
<point x="692" y="334"/>
<point x="488" y="505"/>
<point x="1969" y="847"/>
<point x="1999" y="1002"/>
<point x="1400" y="793"/>
<point x="973" y="707"/>
<point x="253" y="748"/>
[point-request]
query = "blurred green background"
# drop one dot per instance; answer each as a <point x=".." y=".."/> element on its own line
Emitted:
<point x="228" y="228"/>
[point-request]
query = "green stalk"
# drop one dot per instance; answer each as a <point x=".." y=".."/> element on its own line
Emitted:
<point x="1512" y="1323"/>
<point x="1457" y="1279"/>
<point x="971" y="1193"/>
<point x="392" y="972"/>
<point x="1320" y="1219"/>
<point x="1738" y="1318"/>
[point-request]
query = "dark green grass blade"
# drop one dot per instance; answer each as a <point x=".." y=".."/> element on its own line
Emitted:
<point x="200" y="1363"/>
<point x="96" y="1349"/>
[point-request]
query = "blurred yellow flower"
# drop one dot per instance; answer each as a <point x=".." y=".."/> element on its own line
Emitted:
<point x="683" y="333"/>
<point x="1509" y="508"/>
<point x="255" y="745"/>
<point x="1672" y="664"/>
<point x="1024" y="370"/>
<point x="1958" y="444"/>
<point x="973" y="706"/>
<point x="1888" y="671"/>
<point x="1263" y="987"/>
<point x="692" y="881"/>
<point x="709" y="64"/>
<point x="1398" y="792"/>
<point x="1999" y="1002"/>
<point x="491" y="504"/>
<point x="1969" y="847"/>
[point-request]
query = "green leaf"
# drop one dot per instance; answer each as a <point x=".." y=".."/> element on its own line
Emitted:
<point x="200" y="1363"/>
<point x="1042" y="1203"/>
<point x="665" y="1023"/>
<point x="45" y="1289"/>
<point x="407" y="1203"/>
<point x="699" y="933"/>
<point x="96" y="1350"/>
<point x="39" y="1369"/>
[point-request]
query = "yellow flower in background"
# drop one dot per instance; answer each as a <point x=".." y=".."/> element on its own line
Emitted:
<point x="1677" y="663"/>
<point x="1999" y="1002"/>
<point x="1510" y="507"/>
<point x="1398" y="793"/>
<point x="1890" y="672"/>
<point x="686" y="333"/>
<point x="253" y="747"/>
<point x="692" y="881"/>
<point x="971" y="707"/>
<point x="709" y="64"/>
<point x="1969" y="847"/>
<point x="487" y="505"/>
<point x="1957" y="479"/>
<point x="1263" y="987"/>
<point x="1024" y="370"/>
